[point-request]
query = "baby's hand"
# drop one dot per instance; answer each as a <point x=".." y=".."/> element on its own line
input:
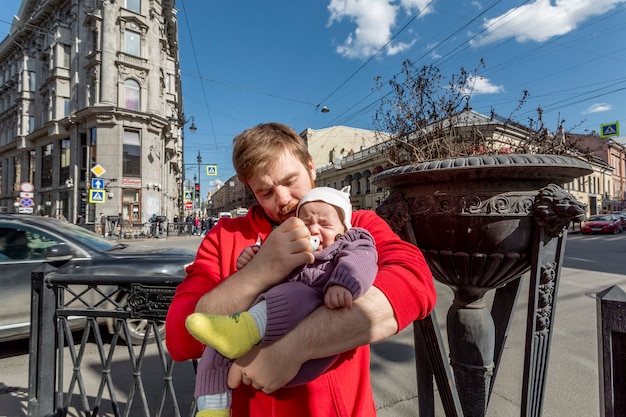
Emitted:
<point x="338" y="296"/>
<point x="246" y="256"/>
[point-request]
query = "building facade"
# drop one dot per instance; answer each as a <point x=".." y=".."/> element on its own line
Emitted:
<point x="91" y="110"/>
<point x="613" y="154"/>
<point x="358" y="169"/>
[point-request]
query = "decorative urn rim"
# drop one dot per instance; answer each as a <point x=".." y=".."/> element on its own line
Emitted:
<point x="541" y="167"/>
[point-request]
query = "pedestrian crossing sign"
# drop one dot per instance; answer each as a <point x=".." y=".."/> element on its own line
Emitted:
<point x="96" y="196"/>
<point x="188" y="195"/>
<point x="211" y="170"/>
<point x="609" y="129"/>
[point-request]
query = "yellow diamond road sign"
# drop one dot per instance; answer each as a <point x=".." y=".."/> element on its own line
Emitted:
<point x="98" y="170"/>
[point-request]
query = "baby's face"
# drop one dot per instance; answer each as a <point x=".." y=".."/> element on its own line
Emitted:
<point x="323" y="221"/>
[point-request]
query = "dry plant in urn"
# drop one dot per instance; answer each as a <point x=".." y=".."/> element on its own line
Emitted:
<point x="481" y="197"/>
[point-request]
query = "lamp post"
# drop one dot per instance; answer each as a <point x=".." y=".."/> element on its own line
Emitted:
<point x="199" y="159"/>
<point x="182" y="122"/>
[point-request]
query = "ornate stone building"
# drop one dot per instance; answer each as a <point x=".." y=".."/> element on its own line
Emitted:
<point x="358" y="168"/>
<point x="90" y="97"/>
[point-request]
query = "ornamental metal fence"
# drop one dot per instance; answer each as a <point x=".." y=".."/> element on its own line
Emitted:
<point x="97" y="348"/>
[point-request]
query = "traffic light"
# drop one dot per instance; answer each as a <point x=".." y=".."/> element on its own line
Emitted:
<point x="197" y="188"/>
<point x="83" y="201"/>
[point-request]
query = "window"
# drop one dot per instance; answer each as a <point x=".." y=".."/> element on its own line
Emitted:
<point x="131" y="95"/>
<point x="65" y="55"/>
<point x="32" y="158"/>
<point x="133" y="42"/>
<point x="20" y="245"/>
<point x="32" y="81"/>
<point x="17" y="172"/>
<point x="31" y="124"/>
<point x="64" y="167"/>
<point x="46" y="166"/>
<point x="93" y="147"/>
<point x="132" y="154"/>
<point x="133" y="5"/>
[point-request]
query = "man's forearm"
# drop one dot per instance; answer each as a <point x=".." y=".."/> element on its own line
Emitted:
<point x="327" y="332"/>
<point x="235" y="294"/>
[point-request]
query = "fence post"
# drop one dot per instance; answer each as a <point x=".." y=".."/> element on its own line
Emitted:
<point x="42" y="351"/>
<point x="611" y="309"/>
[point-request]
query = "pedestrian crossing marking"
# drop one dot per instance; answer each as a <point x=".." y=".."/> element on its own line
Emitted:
<point x="609" y="129"/>
<point x="211" y="170"/>
<point x="96" y="196"/>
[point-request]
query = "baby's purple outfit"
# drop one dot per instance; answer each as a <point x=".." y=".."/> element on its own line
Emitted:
<point x="350" y="262"/>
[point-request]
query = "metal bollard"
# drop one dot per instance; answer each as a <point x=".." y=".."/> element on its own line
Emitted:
<point x="611" y="307"/>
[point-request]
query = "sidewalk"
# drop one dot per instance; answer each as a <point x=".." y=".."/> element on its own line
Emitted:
<point x="572" y="380"/>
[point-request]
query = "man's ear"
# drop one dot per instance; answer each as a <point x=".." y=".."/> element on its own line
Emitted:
<point x="312" y="169"/>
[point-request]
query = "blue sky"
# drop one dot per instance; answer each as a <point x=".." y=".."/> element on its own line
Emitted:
<point x="252" y="61"/>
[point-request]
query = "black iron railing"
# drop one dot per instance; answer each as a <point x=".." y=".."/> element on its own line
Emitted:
<point x="80" y="362"/>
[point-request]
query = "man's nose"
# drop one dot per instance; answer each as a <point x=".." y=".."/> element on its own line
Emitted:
<point x="283" y="196"/>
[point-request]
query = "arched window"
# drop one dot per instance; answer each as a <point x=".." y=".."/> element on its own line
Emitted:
<point x="132" y="92"/>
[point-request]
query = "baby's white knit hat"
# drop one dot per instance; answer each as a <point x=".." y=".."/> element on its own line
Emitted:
<point x="339" y="199"/>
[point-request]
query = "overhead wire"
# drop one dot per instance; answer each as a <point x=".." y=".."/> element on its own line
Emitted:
<point x="195" y="56"/>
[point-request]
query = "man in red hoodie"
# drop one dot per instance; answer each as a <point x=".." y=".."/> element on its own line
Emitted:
<point x="273" y="161"/>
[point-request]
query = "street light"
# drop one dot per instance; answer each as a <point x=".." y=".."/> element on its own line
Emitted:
<point x="199" y="159"/>
<point x="182" y="122"/>
<point x="193" y="127"/>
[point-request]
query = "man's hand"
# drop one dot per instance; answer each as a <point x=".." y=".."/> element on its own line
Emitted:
<point x="337" y="296"/>
<point x="264" y="369"/>
<point x="286" y="248"/>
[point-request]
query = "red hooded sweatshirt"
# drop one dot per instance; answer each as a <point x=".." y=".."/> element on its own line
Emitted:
<point x="345" y="389"/>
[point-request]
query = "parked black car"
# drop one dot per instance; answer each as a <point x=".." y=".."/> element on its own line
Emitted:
<point x="27" y="241"/>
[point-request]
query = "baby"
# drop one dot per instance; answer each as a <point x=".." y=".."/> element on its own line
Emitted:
<point x="344" y="268"/>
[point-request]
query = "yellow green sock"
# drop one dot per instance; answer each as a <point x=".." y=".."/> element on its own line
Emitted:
<point x="232" y="336"/>
<point x="213" y="413"/>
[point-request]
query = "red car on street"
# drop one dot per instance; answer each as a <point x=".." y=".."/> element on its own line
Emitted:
<point x="602" y="223"/>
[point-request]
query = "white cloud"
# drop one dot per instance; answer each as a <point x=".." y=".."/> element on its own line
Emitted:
<point x="481" y="85"/>
<point x="541" y="20"/>
<point x="374" y="21"/>
<point x="598" y="108"/>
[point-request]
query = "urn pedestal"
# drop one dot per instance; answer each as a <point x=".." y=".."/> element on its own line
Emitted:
<point x="482" y="223"/>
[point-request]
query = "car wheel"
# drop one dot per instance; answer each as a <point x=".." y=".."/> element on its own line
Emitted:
<point x="137" y="331"/>
<point x="137" y="328"/>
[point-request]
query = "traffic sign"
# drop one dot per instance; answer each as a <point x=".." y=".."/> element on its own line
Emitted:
<point x="97" y="183"/>
<point x="188" y="195"/>
<point x="96" y="196"/>
<point x="26" y="202"/>
<point x="188" y="204"/>
<point x="211" y="170"/>
<point x="98" y="170"/>
<point x="27" y="187"/>
<point x="609" y="129"/>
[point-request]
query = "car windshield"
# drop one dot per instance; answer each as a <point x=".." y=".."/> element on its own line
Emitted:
<point x="87" y="237"/>
<point x="600" y="218"/>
